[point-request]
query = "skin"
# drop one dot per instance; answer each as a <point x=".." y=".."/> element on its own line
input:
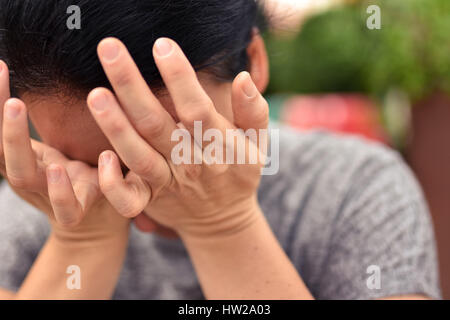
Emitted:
<point x="234" y="252"/>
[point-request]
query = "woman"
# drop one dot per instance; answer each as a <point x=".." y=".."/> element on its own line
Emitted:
<point x="337" y="208"/>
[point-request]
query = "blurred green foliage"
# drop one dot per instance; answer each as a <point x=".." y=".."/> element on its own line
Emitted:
<point x="336" y="52"/>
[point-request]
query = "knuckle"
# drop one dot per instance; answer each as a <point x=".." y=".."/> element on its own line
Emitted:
<point x="192" y="171"/>
<point x="123" y="78"/>
<point x="19" y="182"/>
<point x="60" y="202"/>
<point x="10" y="139"/>
<point x="107" y="186"/>
<point x="160" y="178"/>
<point x="150" y="125"/>
<point x="116" y="127"/>
<point x="198" y="111"/>
<point x="128" y="209"/>
<point x="143" y="166"/>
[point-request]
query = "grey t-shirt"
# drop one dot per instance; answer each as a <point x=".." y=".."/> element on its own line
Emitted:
<point x="337" y="206"/>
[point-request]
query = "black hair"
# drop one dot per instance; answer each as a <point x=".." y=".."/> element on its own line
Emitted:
<point x="43" y="54"/>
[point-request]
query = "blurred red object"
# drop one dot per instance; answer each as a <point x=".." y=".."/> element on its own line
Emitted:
<point x="349" y="114"/>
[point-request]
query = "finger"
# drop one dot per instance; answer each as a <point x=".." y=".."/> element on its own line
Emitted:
<point x="134" y="151"/>
<point x="191" y="101"/>
<point x="4" y="96"/>
<point x="48" y="155"/>
<point x="145" y="224"/>
<point x="66" y="208"/>
<point x="128" y="196"/>
<point x="250" y="109"/>
<point x="143" y="109"/>
<point x="84" y="180"/>
<point x="20" y="160"/>
<point x="251" y="114"/>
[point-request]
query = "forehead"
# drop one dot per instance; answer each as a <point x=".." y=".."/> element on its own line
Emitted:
<point x="64" y="109"/>
<point x="69" y="104"/>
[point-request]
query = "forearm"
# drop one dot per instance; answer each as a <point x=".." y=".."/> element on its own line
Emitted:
<point x="100" y="262"/>
<point x="247" y="265"/>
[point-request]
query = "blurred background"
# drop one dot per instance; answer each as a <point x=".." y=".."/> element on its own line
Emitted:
<point x="391" y="85"/>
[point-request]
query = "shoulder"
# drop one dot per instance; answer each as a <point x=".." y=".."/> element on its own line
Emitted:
<point x="321" y="174"/>
<point x="339" y="155"/>
<point x="323" y="167"/>
<point x="347" y="172"/>
<point x="339" y="205"/>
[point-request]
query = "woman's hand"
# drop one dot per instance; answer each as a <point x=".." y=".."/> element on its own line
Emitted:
<point x="193" y="199"/>
<point x="213" y="207"/>
<point x="67" y="191"/>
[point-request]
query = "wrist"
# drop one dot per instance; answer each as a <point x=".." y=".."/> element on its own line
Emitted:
<point x="224" y="225"/>
<point x="97" y="265"/>
<point x="100" y="225"/>
<point x="79" y="239"/>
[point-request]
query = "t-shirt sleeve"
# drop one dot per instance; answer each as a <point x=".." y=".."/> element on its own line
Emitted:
<point x="23" y="232"/>
<point x="382" y="242"/>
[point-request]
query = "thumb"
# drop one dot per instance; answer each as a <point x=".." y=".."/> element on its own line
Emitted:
<point x="251" y="110"/>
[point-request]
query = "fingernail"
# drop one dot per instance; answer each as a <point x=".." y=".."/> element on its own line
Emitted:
<point x="249" y="87"/>
<point x="109" y="50"/>
<point x="105" y="159"/>
<point x="53" y="174"/>
<point x="99" y="102"/>
<point x="163" y="47"/>
<point x="12" y="111"/>
<point x="1" y="67"/>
